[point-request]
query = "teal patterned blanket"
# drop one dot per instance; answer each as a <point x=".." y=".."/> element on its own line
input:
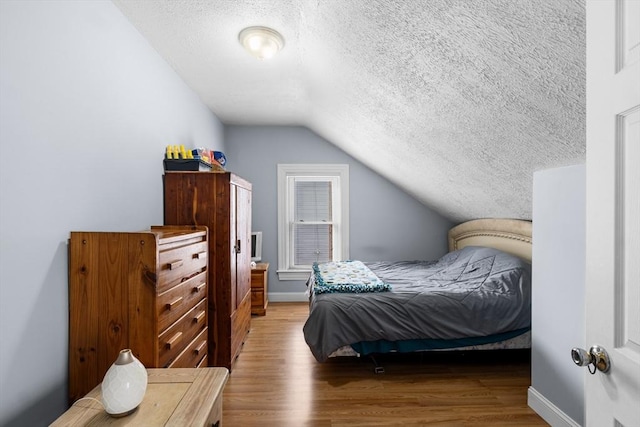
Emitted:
<point x="346" y="276"/>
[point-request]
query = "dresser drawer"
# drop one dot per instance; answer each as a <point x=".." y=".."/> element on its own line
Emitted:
<point x="179" y="263"/>
<point x="179" y="335"/>
<point x="193" y="354"/>
<point x="257" y="297"/>
<point x="240" y="323"/>
<point x="204" y="362"/>
<point x="175" y="302"/>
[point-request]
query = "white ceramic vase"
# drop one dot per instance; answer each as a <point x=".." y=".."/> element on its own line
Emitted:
<point x="124" y="385"/>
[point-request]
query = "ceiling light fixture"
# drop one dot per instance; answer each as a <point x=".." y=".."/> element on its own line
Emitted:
<point x="261" y="42"/>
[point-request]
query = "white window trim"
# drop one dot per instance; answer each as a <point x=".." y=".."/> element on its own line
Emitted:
<point x="284" y="172"/>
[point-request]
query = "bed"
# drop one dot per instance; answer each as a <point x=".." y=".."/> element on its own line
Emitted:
<point x="477" y="296"/>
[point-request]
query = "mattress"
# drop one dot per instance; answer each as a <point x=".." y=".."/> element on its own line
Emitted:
<point x="469" y="297"/>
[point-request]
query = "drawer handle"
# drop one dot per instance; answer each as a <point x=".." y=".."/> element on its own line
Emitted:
<point x="172" y="304"/>
<point x="175" y="264"/>
<point x="198" y="288"/>
<point x="171" y="342"/>
<point x="199" y="317"/>
<point x="200" y="255"/>
<point x="199" y="349"/>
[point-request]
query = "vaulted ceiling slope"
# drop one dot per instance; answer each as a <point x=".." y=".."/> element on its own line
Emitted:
<point x="456" y="101"/>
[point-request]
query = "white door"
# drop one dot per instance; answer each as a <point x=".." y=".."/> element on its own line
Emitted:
<point x="613" y="210"/>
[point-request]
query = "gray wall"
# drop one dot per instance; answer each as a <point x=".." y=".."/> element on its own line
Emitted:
<point x="559" y="210"/>
<point x="385" y="222"/>
<point x="86" y="108"/>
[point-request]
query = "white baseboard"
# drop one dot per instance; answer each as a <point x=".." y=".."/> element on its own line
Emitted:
<point x="288" y="297"/>
<point x="548" y="411"/>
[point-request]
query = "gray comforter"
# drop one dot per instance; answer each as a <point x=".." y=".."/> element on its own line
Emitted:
<point x="473" y="292"/>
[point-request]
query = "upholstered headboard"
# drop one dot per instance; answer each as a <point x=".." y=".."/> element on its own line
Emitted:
<point x="509" y="235"/>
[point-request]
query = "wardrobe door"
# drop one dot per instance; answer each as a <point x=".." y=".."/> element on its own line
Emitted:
<point x="243" y="235"/>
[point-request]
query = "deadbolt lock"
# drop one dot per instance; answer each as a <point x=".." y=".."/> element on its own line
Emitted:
<point x="595" y="358"/>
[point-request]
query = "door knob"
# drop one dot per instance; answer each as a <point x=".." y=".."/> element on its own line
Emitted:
<point x="595" y="358"/>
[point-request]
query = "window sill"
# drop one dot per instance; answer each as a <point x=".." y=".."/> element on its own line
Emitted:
<point x="293" y="274"/>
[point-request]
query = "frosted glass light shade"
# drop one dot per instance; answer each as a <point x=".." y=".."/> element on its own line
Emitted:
<point x="124" y="385"/>
<point x="261" y="42"/>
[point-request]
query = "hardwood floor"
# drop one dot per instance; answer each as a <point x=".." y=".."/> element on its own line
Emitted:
<point x="277" y="382"/>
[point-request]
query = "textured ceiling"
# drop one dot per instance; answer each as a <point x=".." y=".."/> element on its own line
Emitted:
<point x="457" y="102"/>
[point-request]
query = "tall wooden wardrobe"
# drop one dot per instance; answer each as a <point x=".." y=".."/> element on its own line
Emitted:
<point x="222" y="202"/>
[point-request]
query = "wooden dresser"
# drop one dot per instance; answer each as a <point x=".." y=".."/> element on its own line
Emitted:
<point x="222" y="202"/>
<point x="146" y="291"/>
<point x="259" y="281"/>
<point x="174" y="397"/>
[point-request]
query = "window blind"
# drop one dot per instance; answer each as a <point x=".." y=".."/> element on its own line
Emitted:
<point x="313" y="222"/>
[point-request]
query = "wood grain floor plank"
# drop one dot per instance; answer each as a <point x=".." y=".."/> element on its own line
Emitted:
<point x="277" y="382"/>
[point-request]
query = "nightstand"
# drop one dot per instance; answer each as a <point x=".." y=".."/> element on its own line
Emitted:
<point x="259" y="278"/>
<point x="174" y="397"/>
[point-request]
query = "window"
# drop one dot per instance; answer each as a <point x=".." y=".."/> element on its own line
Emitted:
<point x="313" y="217"/>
